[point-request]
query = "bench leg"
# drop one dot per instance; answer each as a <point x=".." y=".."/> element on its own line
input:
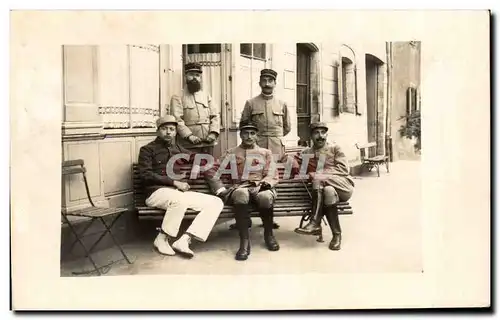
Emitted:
<point x="387" y="165"/>
<point x="378" y="169"/>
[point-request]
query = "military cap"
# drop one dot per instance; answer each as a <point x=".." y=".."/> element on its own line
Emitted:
<point x="193" y="67"/>
<point x="248" y="125"/>
<point x="269" y="73"/>
<point x="316" y="125"/>
<point x="166" y="119"/>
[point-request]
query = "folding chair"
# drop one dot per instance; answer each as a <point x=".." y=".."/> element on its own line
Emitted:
<point x="93" y="213"/>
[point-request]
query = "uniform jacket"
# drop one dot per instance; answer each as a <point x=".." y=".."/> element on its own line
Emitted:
<point x="335" y="167"/>
<point x="272" y="118"/>
<point x="238" y="156"/>
<point x="152" y="164"/>
<point x="196" y="115"/>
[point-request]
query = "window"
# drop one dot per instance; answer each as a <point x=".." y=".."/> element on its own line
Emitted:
<point x="303" y="92"/>
<point x="412" y="100"/>
<point x="335" y="94"/>
<point x="249" y="63"/>
<point x="126" y="93"/>
<point x="348" y="86"/>
<point x="253" y="50"/>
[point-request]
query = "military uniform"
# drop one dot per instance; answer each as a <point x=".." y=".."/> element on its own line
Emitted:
<point x="335" y="170"/>
<point x="272" y="118"/>
<point x="249" y="192"/>
<point x="328" y="169"/>
<point x="196" y="114"/>
<point x="155" y="169"/>
<point x="249" y="188"/>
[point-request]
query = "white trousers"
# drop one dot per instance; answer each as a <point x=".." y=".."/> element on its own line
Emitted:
<point x="176" y="202"/>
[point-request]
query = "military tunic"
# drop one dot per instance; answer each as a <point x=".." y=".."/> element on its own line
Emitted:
<point x="259" y="156"/>
<point x="196" y="115"/>
<point x="153" y="160"/>
<point x="335" y="170"/>
<point x="272" y="118"/>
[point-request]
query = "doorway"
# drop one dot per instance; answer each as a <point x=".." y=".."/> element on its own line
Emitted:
<point x="374" y="102"/>
<point x="214" y="65"/>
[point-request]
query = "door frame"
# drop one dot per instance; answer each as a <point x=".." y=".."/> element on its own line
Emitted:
<point x="225" y="95"/>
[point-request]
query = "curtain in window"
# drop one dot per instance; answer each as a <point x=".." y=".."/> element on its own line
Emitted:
<point x="144" y="85"/>
<point x="113" y="73"/>
<point x="212" y="74"/>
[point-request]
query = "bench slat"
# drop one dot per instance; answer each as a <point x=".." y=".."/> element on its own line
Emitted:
<point x="293" y="198"/>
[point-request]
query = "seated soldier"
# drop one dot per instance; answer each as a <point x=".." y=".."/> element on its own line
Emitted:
<point x="328" y="169"/>
<point x="253" y="184"/>
<point x="157" y="165"/>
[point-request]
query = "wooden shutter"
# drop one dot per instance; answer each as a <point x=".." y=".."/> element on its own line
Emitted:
<point x="340" y="82"/>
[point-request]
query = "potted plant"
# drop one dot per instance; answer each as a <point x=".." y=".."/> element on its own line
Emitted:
<point x="411" y="129"/>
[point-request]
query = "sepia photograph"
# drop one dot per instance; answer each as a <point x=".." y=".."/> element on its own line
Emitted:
<point x="136" y="114"/>
<point x="250" y="160"/>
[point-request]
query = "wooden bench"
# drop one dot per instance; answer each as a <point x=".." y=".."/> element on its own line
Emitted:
<point x="293" y="198"/>
<point x="371" y="162"/>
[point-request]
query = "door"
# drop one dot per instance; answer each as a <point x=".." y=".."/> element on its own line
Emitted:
<point x="214" y="82"/>
<point x="375" y="103"/>
<point x="303" y="93"/>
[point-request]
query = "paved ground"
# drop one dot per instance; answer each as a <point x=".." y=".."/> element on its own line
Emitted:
<point x="383" y="235"/>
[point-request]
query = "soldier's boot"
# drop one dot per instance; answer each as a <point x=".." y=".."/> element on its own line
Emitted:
<point x="314" y="225"/>
<point x="243" y="224"/>
<point x="267" y="216"/>
<point x="332" y="216"/>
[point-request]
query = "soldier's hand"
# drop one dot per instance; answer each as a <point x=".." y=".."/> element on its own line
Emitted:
<point x="264" y="185"/>
<point x="194" y="139"/>
<point x="211" y="137"/>
<point x="182" y="186"/>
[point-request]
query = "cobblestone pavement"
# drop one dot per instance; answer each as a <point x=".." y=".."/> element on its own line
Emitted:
<point x="383" y="235"/>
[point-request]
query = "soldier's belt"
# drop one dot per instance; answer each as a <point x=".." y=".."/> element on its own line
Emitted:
<point x="271" y="134"/>
<point x="195" y="123"/>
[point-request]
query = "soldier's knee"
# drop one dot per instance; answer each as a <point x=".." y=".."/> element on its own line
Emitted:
<point x="265" y="200"/>
<point x="240" y="196"/>
<point x="330" y="196"/>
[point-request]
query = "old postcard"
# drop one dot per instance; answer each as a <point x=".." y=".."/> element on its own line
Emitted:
<point x="308" y="160"/>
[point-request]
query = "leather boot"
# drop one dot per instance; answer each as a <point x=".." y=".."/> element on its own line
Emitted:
<point x="243" y="222"/>
<point x="267" y="220"/>
<point x="314" y="225"/>
<point x="332" y="217"/>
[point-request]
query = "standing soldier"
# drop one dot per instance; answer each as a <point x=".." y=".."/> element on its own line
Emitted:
<point x="269" y="114"/>
<point x="199" y="119"/>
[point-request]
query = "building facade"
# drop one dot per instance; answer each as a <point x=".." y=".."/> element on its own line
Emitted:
<point x="114" y="93"/>
<point x="405" y="94"/>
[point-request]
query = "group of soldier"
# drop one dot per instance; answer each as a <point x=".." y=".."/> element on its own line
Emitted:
<point x="193" y="126"/>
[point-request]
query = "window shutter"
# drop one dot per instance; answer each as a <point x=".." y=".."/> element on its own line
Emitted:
<point x="340" y="72"/>
<point x="408" y="101"/>
<point x="414" y="100"/>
